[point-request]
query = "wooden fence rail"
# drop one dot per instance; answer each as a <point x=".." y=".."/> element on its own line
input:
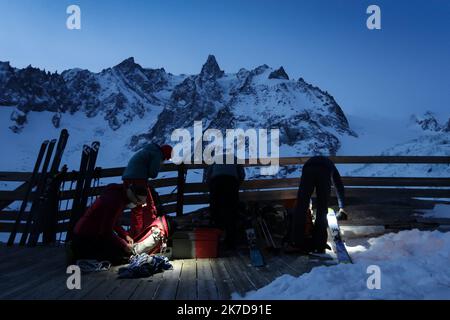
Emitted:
<point x="179" y="193"/>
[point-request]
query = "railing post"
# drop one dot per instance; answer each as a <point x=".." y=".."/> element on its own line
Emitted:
<point x="180" y="189"/>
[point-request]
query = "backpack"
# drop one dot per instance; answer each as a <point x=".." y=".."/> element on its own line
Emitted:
<point x="277" y="220"/>
<point x="153" y="239"/>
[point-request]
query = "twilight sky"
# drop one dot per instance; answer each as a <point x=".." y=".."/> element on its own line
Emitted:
<point x="402" y="69"/>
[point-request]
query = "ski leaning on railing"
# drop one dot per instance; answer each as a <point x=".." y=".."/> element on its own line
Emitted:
<point x="45" y="215"/>
<point x="31" y="183"/>
<point x="83" y="185"/>
<point x="40" y="217"/>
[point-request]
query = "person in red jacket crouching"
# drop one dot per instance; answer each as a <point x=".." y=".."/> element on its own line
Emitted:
<point x="99" y="234"/>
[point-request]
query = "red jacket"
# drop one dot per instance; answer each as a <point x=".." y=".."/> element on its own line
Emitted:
<point x="104" y="215"/>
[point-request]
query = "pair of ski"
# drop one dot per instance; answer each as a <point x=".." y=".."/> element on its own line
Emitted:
<point x="256" y="256"/>
<point x="338" y="244"/>
<point x="42" y="179"/>
<point x="83" y="184"/>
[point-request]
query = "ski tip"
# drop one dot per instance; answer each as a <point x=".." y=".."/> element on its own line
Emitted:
<point x="86" y="148"/>
<point x="95" y="145"/>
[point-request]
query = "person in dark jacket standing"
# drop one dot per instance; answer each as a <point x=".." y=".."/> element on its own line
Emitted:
<point x="318" y="173"/>
<point x="145" y="164"/>
<point x="223" y="181"/>
<point x="99" y="234"/>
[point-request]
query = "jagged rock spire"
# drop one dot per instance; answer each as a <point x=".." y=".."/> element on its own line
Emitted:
<point x="279" y="74"/>
<point x="211" y="69"/>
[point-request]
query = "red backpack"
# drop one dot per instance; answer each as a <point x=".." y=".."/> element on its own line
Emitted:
<point x="153" y="239"/>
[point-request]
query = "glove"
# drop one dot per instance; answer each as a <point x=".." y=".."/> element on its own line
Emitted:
<point x="341" y="215"/>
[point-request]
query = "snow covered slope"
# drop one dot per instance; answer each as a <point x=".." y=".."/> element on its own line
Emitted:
<point x="420" y="136"/>
<point x="20" y="150"/>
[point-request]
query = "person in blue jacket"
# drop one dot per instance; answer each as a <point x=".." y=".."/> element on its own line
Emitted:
<point x="144" y="165"/>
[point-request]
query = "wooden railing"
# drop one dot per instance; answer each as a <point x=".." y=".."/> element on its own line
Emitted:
<point x="178" y="193"/>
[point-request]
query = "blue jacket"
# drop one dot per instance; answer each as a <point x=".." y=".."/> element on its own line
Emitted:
<point x="145" y="163"/>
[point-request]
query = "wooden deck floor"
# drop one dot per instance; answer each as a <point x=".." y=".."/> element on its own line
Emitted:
<point x="40" y="273"/>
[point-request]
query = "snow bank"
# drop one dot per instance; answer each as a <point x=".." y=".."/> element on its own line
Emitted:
<point x="439" y="211"/>
<point x="414" y="265"/>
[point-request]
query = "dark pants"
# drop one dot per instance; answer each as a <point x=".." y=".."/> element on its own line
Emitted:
<point x="99" y="248"/>
<point x="224" y="203"/>
<point x="313" y="178"/>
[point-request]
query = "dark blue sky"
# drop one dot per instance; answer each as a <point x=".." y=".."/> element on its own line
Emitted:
<point x="401" y="69"/>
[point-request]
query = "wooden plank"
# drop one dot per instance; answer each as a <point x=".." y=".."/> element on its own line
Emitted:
<point x="167" y="289"/>
<point x="31" y="283"/>
<point x="276" y="265"/>
<point x="166" y="198"/>
<point x="7" y="252"/>
<point x="109" y="284"/>
<point x="147" y="287"/>
<point x="48" y="290"/>
<point x="223" y="280"/>
<point x="8" y="227"/>
<point x="396" y="181"/>
<point x="371" y="159"/>
<point x="299" y="264"/>
<point x="12" y="215"/>
<point x="187" y="288"/>
<point x="262" y="275"/>
<point x="241" y="280"/>
<point x="344" y="160"/>
<point x="116" y="172"/>
<point x="22" y="189"/>
<point x="23" y="281"/>
<point x="14" y="195"/>
<point x="257" y="275"/>
<point x="25" y="258"/>
<point x="125" y="289"/>
<point x="21" y="269"/>
<point x="89" y="282"/>
<point x="180" y="189"/>
<point x="15" y="176"/>
<point x="442" y="221"/>
<point x="95" y="191"/>
<point x="348" y="181"/>
<point x="206" y="284"/>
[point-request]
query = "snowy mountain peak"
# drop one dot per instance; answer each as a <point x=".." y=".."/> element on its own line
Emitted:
<point x="128" y="65"/>
<point x="446" y="127"/>
<point x="428" y="122"/>
<point x="5" y="65"/>
<point x="279" y="74"/>
<point x="211" y="69"/>
<point x="261" y="69"/>
<point x="309" y="119"/>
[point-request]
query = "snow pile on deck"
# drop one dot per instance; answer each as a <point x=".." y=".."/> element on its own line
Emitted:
<point x="414" y="265"/>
